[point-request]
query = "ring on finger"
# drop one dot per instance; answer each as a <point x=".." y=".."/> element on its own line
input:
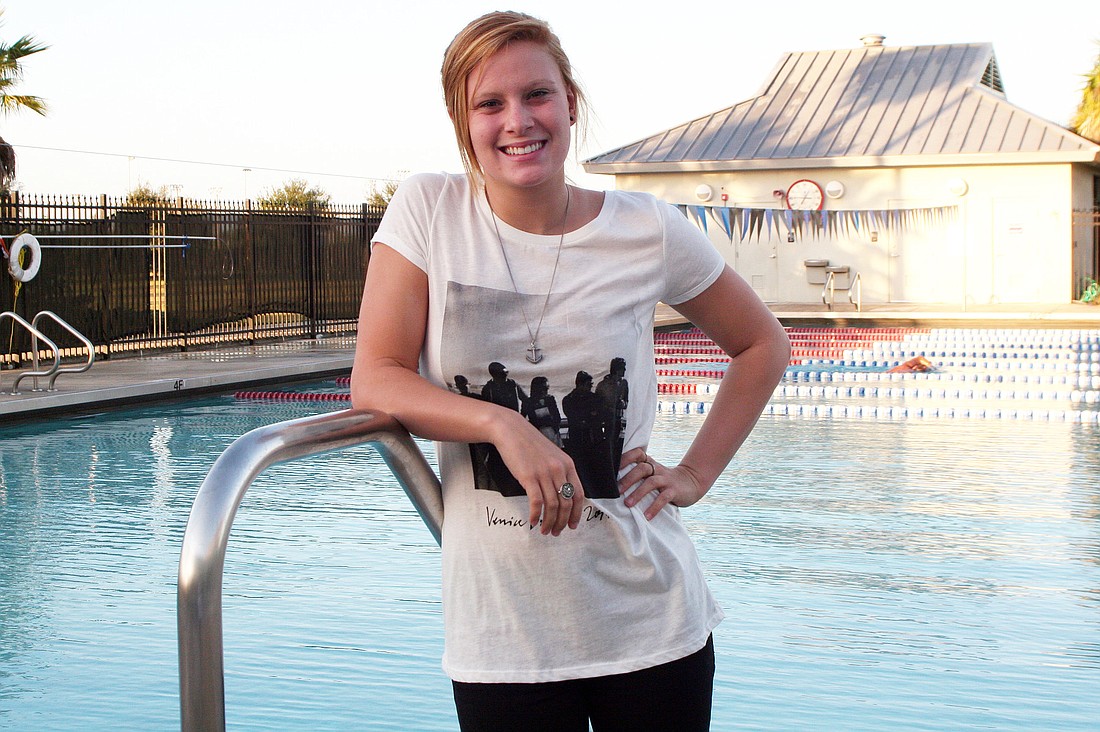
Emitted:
<point x="567" y="490"/>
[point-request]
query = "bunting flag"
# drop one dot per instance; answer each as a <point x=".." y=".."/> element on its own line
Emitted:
<point x="722" y="216"/>
<point x="755" y="223"/>
<point x="699" y="213"/>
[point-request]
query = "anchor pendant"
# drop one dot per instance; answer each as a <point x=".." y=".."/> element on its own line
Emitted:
<point x="534" y="353"/>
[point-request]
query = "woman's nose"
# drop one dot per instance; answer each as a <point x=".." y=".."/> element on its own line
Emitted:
<point x="518" y="117"/>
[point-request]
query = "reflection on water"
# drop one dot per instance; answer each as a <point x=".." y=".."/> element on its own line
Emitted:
<point x="876" y="575"/>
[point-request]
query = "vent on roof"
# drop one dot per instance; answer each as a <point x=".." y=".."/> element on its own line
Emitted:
<point x="992" y="77"/>
<point x="872" y="39"/>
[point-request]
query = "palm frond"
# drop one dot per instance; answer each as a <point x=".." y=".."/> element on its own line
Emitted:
<point x="12" y="102"/>
<point x="11" y="73"/>
<point x="12" y="54"/>
<point x="1086" y="120"/>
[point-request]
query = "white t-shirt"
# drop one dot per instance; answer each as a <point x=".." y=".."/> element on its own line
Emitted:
<point x="619" y="593"/>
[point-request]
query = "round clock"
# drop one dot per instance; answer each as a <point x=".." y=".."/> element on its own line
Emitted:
<point x="805" y="195"/>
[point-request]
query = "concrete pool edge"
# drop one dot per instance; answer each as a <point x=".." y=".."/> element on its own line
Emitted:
<point x="128" y="381"/>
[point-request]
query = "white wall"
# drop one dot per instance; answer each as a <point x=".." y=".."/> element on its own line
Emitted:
<point x="1009" y="242"/>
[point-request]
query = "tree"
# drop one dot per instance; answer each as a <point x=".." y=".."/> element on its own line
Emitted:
<point x="11" y="73"/>
<point x="143" y="195"/>
<point x="1086" y="122"/>
<point x="295" y="193"/>
<point x="380" y="196"/>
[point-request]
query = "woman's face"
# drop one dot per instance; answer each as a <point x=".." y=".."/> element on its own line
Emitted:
<point x="519" y="110"/>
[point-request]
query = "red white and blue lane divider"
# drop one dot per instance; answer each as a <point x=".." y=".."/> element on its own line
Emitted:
<point x="833" y="411"/>
<point x="945" y="411"/>
<point x="994" y="375"/>
<point x="294" y="396"/>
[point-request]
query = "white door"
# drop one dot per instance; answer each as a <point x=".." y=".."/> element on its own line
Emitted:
<point x="758" y="263"/>
<point x="1018" y="259"/>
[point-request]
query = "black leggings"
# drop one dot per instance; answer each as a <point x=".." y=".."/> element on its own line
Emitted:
<point x="674" y="696"/>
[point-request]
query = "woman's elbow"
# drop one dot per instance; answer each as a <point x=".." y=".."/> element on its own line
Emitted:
<point x="369" y="388"/>
<point x="361" y="394"/>
<point x="783" y="348"/>
<point x="770" y="352"/>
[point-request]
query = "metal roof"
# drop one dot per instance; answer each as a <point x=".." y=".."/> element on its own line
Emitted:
<point x="872" y="105"/>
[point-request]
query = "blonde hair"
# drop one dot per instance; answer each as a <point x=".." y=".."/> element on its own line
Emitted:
<point x="480" y="40"/>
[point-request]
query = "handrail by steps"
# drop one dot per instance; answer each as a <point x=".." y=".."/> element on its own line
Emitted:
<point x="828" y="292"/>
<point x="855" y="284"/>
<point x="202" y="560"/>
<point x="35" y="333"/>
<point x="857" y="288"/>
<point x="73" y="331"/>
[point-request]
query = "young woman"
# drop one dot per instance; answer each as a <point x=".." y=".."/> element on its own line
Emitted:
<point x="571" y="590"/>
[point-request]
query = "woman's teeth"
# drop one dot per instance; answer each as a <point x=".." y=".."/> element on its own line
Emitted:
<point x="523" y="150"/>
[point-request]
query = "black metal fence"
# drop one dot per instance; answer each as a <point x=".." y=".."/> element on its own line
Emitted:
<point x="184" y="273"/>
<point x="1086" y="236"/>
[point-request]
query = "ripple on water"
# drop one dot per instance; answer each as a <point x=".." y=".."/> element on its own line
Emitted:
<point x="875" y="575"/>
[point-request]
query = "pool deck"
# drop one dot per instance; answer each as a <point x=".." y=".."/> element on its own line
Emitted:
<point x="160" y="376"/>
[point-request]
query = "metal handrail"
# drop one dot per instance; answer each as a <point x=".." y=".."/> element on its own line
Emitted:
<point x="830" y="287"/>
<point x="202" y="560"/>
<point x="61" y="369"/>
<point x="828" y="292"/>
<point x="857" y="288"/>
<point x="35" y="333"/>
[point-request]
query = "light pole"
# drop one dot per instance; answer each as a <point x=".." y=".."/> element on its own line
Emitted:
<point x="246" y="171"/>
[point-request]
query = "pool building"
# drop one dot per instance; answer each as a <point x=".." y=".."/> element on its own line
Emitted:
<point x="904" y="172"/>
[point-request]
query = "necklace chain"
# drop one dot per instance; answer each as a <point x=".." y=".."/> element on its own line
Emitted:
<point x="534" y="353"/>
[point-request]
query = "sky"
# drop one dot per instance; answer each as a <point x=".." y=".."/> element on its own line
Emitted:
<point x="228" y="99"/>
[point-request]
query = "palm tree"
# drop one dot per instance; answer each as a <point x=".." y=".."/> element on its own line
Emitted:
<point x="11" y="72"/>
<point x="1086" y="122"/>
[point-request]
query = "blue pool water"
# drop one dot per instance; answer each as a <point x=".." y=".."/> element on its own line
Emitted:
<point x="877" y="575"/>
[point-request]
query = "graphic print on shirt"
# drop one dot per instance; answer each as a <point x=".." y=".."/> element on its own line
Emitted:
<point x="590" y="424"/>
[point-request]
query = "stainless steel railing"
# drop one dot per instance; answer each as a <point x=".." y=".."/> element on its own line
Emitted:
<point x="58" y="370"/>
<point x="828" y="292"/>
<point x="854" y="288"/>
<point x="199" y="590"/>
<point x="38" y="336"/>
<point x="855" y="292"/>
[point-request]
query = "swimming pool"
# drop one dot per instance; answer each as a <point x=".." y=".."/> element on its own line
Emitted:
<point x="883" y="574"/>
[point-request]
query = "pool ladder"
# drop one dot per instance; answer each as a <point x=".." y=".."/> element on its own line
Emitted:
<point x="202" y="560"/>
<point x="854" y="288"/>
<point x="36" y="335"/>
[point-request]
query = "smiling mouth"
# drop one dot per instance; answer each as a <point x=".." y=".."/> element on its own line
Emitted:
<point x="534" y="146"/>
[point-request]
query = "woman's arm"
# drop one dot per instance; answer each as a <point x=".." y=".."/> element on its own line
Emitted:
<point x="731" y="314"/>
<point x="393" y="320"/>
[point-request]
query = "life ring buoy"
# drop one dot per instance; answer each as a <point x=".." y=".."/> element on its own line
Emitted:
<point x="21" y="242"/>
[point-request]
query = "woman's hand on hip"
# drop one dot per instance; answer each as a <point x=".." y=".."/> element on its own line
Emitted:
<point x="677" y="485"/>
